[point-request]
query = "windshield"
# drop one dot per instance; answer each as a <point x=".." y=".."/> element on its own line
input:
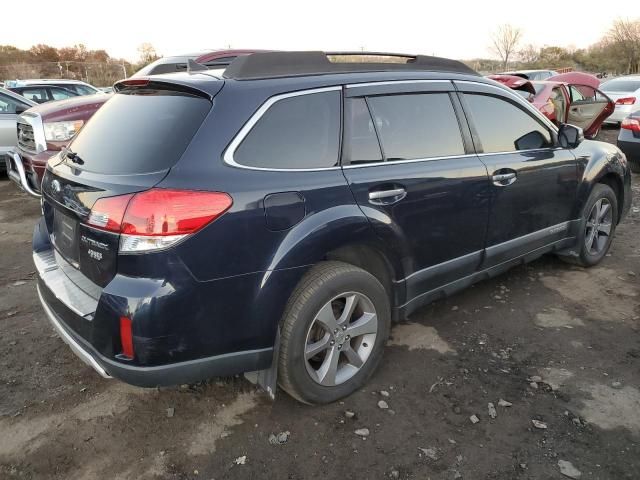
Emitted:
<point x="140" y="131"/>
<point x="620" y="85"/>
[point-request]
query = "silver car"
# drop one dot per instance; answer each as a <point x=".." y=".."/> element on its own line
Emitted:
<point x="625" y="91"/>
<point x="11" y="105"/>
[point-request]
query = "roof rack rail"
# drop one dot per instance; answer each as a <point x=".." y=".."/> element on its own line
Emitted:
<point x="289" y="64"/>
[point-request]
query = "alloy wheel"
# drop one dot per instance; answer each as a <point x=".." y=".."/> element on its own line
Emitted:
<point x="340" y="339"/>
<point x="598" y="226"/>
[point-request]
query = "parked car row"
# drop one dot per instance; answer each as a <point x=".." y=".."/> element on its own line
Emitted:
<point x="43" y="131"/>
<point x="565" y="98"/>
<point x="279" y="225"/>
<point x="11" y="106"/>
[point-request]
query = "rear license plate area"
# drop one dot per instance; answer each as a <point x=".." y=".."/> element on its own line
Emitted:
<point x="65" y="236"/>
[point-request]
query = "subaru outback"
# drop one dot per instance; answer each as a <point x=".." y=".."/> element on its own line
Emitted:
<point x="274" y="218"/>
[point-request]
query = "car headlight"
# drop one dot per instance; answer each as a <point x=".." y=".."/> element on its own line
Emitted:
<point x="61" y="131"/>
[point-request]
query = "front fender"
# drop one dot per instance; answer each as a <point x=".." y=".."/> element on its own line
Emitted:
<point x="595" y="161"/>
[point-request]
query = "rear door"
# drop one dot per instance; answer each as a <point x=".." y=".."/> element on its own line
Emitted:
<point x="408" y="159"/>
<point x="589" y="108"/>
<point x="533" y="182"/>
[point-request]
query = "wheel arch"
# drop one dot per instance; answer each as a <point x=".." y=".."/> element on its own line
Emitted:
<point x="615" y="182"/>
<point x="602" y="166"/>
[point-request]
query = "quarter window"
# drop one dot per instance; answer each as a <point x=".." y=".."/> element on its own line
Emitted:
<point x="59" y="94"/>
<point x="503" y="127"/>
<point x="413" y="126"/>
<point x="295" y="132"/>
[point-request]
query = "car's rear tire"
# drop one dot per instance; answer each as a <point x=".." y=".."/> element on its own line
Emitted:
<point x="597" y="227"/>
<point x="333" y="333"/>
<point x="634" y="165"/>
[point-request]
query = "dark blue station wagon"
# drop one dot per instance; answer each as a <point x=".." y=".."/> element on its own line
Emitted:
<point x="276" y="217"/>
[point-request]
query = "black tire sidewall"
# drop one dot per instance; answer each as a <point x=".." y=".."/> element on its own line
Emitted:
<point x="599" y="191"/>
<point x="352" y="280"/>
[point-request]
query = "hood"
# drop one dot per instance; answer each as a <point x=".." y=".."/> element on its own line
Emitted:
<point x="576" y="78"/>
<point x="77" y="108"/>
<point x="514" y="82"/>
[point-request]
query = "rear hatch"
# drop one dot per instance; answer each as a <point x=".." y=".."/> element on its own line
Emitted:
<point x="128" y="146"/>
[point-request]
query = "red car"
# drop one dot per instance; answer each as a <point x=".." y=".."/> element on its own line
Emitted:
<point x="566" y="98"/>
<point x="43" y="130"/>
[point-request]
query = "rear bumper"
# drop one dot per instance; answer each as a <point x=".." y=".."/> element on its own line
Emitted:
<point x="184" y="331"/>
<point x="172" y="374"/>
<point x="620" y="113"/>
<point x="631" y="149"/>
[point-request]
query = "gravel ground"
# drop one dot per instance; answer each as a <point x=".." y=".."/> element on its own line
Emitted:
<point x="544" y="359"/>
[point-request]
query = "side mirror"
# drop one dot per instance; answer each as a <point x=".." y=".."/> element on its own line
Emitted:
<point x="570" y="136"/>
<point x="21" y="109"/>
<point x="531" y="141"/>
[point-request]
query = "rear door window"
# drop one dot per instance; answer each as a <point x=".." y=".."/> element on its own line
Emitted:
<point x="141" y="131"/>
<point x="38" y="95"/>
<point x="414" y="126"/>
<point x="502" y="126"/>
<point x="298" y="132"/>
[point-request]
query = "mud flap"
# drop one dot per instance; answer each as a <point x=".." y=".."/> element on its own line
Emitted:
<point x="268" y="379"/>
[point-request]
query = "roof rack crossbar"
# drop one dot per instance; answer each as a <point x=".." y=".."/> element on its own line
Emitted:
<point x="287" y="64"/>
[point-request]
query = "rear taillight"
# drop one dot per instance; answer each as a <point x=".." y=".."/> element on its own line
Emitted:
<point x="632" y="124"/>
<point x="126" y="338"/>
<point x="157" y="218"/>
<point x="107" y="213"/>
<point x="626" y="101"/>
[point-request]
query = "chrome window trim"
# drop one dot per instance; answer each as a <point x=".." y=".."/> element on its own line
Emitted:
<point x="521" y="101"/>
<point x="247" y="127"/>
<point x="396" y="82"/>
<point x="412" y="160"/>
<point x="448" y="157"/>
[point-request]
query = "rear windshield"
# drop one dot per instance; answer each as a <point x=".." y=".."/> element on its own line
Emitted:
<point x="139" y="132"/>
<point x="620" y="85"/>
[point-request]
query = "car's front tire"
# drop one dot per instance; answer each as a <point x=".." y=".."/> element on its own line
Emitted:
<point x="597" y="227"/>
<point x="333" y="333"/>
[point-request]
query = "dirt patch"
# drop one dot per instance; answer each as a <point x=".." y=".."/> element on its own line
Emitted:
<point x="212" y="431"/>
<point x="556" y="377"/>
<point x="557" y="318"/>
<point x="611" y="408"/>
<point x="603" y="293"/>
<point x="417" y="336"/>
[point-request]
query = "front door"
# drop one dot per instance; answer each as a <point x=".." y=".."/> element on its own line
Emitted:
<point x="408" y="159"/>
<point x="534" y="183"/>
<point x="588" y="109"/>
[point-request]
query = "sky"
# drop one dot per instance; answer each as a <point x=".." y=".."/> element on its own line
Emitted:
<point x="460" y="29"/>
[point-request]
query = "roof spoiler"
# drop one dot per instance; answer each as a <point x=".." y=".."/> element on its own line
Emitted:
<point x="152" y="83"/>
<point x="287" y="64"/>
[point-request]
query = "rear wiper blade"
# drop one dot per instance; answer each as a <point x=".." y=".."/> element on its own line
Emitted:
<point x="71" y="155"/>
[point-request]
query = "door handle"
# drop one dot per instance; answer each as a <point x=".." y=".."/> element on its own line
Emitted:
<point x="387" y="197"/>
<point x="504" y="179"/>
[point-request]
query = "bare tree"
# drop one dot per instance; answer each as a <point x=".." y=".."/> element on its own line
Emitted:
<point x="148" y="53"/>
<point x="625" y="35"/>
<point x="505" y="42"/>
<point x="529" y="54"/>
